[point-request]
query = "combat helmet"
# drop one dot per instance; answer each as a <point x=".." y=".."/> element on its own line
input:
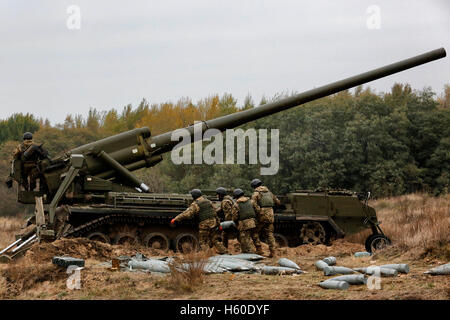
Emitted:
<point x="238" y="193"/>
<point x="195" y="193"/>
<point x="221" y="191"/>
<point x="255" y="183"/>
<point x="27" y="136"/>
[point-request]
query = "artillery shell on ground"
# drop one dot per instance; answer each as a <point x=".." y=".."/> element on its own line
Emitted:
<point x="272" y="270"/>
<point x="375" y="270"/>
<point x="401" y="267"/>
<point x="333" y="284"/>
<point x="440" y="270"/>
<point x="331" y="261"/>
<point x="234" y="264"/>
<point x="320" y="265"/>
<point x="329" y="271"/>
<point x="152" y="265"/>
<point x="284" y="262"/>
<point x="351" y="279"/>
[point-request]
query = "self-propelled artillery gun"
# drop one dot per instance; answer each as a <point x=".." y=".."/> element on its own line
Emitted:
<point x="92" y="192"/>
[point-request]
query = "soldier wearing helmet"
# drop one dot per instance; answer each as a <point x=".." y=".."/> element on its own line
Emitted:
<point x="264" y="202"/>
<point x="27" y="163"/>
<point x="243" y="215"/>
<point x="202" y="208"/>
<point x="225" y="210"/>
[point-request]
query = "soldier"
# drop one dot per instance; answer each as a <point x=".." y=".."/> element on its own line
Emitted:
<point x="208" y="220"/>
<point x="243" y="214"/>
<point x="226" y="206"/>
<point x="25" y="168"/>
<point x="264" y="201"/>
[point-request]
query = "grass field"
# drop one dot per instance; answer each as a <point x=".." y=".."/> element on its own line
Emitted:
<point x="417" y="224"/>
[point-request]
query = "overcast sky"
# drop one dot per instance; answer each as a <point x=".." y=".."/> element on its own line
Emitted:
<point x="164" y="50"/>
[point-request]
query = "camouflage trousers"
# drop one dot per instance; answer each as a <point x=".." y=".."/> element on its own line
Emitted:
<point x="249" y="239"/>
<point x="265" y="229"/>
<point x="29" y="179"/>
<point x="209" y="237"/>
<point x="226" y="236"/>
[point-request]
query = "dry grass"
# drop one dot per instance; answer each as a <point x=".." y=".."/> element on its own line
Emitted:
<point x="186" y="271"/>
<point x="417" y="224"/>
<point x="9" y="226"/>
<point x="24" y="274"/>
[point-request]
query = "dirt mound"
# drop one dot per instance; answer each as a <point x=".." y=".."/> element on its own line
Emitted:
<point x="339" y="248"/>
<point x="86" y="249"/>
<point x="78" y="248"/>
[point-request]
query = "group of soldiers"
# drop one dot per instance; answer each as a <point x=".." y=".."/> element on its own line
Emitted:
<point x="252" y="216"/>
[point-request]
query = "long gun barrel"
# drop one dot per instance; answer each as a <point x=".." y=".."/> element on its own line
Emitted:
<point x="120" y="154"/>
<point x="230" y="121"/>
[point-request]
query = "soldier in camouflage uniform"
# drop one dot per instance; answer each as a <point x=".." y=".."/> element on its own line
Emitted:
<point x="25" y="167"/>
<point x="208" y="221"/>
<point x="265" y="201"/>
<point x="226" y="206"/>
<point x="243" y="215"/>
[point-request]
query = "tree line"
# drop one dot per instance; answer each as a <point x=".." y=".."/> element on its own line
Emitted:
<point x="387" y="143"/>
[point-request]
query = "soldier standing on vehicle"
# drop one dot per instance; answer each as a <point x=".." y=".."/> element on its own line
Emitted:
<point x="226" y="206"/>
<point x="25" y="166"/>
<point x="243" y="214"/>
<point x="265" y="201"/>
<point x="208" y="221"/>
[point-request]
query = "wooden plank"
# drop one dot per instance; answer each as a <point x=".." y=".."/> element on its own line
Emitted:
<point x="39" y="211"/>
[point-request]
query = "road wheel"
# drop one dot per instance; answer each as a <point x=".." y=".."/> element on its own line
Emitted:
<point x="126" y="238"/>
<point x="98" y="236"/>
<point x="376" y="242"/>
<point x="186" y="242"/>
<point x="157" y="240"/>
<point x="312" y="233"/>
<point x="281" y="240"/>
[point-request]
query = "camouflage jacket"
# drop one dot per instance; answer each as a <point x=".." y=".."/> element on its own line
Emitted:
<point x="244" y="224"/>
<point x="193" y="211"/>
<point x="226" y="206"/>
<point x="21" y="148"/>
<point x="264" y="215"/>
